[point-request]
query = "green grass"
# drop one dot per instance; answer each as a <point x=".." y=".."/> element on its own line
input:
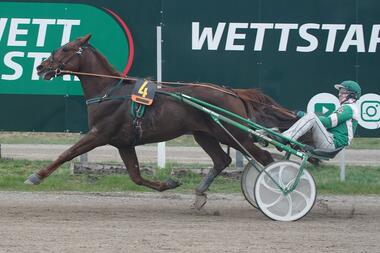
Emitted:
<point x="38" y="138"/>
<point x="359" y="180"/>
<point x="365" y="143"/>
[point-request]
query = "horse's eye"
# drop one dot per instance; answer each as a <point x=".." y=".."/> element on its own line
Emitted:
<point x="65" y="49"/>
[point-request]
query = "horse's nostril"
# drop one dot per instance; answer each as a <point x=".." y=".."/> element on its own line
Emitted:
<point x="39" y="67"/>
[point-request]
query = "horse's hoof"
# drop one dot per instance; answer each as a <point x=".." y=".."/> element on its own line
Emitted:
<point x="200" y="201"/>
<point x="33" y="180"/>
<point x="171" y="183"/>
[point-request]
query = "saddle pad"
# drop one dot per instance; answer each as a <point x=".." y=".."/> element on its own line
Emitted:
<point x="143" y="92"/>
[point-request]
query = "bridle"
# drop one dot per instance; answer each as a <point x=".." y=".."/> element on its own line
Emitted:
<point x="62" y="64"/>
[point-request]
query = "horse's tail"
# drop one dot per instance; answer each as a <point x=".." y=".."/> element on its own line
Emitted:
<point x="264" y="110"/>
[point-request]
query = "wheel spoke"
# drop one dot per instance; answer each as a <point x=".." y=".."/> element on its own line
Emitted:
<point x="289" y="198"/>
<point x="302" y="195"/>
<point x="273" y="189"/>
<point x="280" y="181"/>
<point x="290" y="183"/>
<point x="273" y="203"/>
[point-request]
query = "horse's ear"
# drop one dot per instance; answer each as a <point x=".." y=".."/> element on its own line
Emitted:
<point x="85" y="39"/>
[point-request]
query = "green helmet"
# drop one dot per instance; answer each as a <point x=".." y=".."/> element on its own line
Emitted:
<point x="351" y="86"/>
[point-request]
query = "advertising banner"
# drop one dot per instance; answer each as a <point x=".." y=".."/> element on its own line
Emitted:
<point x="29" y="31"/>
<point x="293" y="51"/>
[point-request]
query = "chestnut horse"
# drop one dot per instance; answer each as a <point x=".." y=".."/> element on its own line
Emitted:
<point x="110" y="121"/>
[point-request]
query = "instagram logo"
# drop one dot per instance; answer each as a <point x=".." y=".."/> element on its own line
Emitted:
<point x="370" y="111"/>
<point x="369" y="105"/>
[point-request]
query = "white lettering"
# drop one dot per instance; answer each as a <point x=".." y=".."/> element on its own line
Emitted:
<point x="332" y="28"/>
<point x="285" y="29"/>
<point x="43" y="23"/>
<point x="354" y="31"/>
<point x="232" y="36"/>
<point x="3" y="22"/>
<point x="313" y="41"/>
<point x="38" y="58"/>
<point x="17" y="68"/>
<point x="375" y="39"/>
<point x="66" y="77"/>
<point x="261" y="27"/>
<point x="67" y="26"/>
<point x="69" y="78"/>
<point x="212" y="41"/>
<point x="14" y="31"/>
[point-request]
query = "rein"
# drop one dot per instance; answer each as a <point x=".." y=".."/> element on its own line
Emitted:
<point x="121" y="78"/>
<point x="59" y="71"/>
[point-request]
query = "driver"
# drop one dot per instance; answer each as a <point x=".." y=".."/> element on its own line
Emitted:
<point x="333" y="131"/>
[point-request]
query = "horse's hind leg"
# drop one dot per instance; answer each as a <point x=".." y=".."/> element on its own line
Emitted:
<point x="220" y="159"/>
<point x="130" y="160"/>
<point x="261" y="155"/>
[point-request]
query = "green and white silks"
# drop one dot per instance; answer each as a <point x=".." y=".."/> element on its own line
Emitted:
<point x="328" y="132"/>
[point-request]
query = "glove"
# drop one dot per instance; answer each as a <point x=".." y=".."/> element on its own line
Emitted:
<point x="300" y="114"/>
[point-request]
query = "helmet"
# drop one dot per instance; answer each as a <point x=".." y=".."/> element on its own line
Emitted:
<point x="350" y="86"/>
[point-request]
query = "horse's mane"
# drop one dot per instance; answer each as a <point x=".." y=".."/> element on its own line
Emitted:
<point x="104" y="61"/>
<point x="265" y="110"/>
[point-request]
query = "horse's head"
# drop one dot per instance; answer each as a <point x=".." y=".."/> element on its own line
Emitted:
<point x="66" y="57"/>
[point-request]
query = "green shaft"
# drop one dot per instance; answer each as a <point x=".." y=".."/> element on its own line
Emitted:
<point x="249" y="122"/>
<point x="201" y="105"/>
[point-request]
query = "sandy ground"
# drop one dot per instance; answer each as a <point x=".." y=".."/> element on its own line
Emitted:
<point x="163" y="222"/>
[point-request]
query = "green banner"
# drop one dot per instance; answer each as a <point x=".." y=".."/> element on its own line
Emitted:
<point x="30" y="31"/>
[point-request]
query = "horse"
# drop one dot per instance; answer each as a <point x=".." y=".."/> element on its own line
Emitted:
<point x="110" y="121"/>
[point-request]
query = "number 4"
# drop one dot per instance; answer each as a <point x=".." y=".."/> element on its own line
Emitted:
<point x="143" y="89"/>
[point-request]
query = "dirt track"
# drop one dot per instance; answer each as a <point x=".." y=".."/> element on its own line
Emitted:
<point x="150" y="222"/>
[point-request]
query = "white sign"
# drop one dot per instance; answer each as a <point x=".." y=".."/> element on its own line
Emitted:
<point x="323" y="104"/>
<point x="369" y="107"/>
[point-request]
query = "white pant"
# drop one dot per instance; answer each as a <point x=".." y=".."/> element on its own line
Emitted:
<point x="321" y="137"/>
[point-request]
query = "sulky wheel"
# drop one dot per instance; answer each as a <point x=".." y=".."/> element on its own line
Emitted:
<point x="247" y="184"/>
<point x="248" y="179"/>
<point x="277" y="205"/>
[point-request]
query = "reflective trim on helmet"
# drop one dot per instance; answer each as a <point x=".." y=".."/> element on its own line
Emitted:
<point x="338" y="86"/>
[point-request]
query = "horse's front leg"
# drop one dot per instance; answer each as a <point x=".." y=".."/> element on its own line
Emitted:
<point x="131" y="162"/>
<point x="85" y="144"/>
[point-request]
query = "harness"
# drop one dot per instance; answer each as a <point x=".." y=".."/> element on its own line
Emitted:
<point x="107" y="95"/>
<point x="142" y="95"/>
<point x="137" y="112"/>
